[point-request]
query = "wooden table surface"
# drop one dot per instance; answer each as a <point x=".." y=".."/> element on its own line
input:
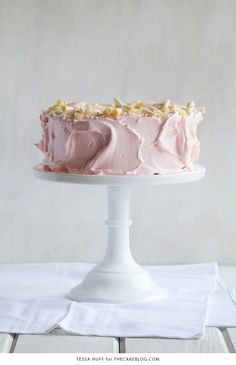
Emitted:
<point x="214" y="339"/>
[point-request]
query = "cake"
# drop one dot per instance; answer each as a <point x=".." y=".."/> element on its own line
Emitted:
<point x="138" y="138"/>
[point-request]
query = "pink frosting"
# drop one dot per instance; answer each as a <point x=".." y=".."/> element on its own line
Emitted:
<point x="128" y="145"/>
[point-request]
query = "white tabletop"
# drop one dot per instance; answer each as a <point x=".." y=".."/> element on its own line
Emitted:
<point x="214" y="340"/>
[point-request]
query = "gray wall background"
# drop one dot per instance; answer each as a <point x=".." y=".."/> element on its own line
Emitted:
<point x="180" y="49"/>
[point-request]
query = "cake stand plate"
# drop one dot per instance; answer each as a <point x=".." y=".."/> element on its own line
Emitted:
<point x="118" y="278"/>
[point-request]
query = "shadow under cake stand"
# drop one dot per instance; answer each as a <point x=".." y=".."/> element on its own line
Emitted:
<point x="118" y="278"/>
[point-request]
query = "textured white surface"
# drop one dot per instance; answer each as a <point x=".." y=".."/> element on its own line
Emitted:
<point x="228" y="273"/>
<point x="34" y="300"/>
<point x="65" y="343"/>
<point x="212" y="341"/>
<point x="6" y="341"/>
<point x="230" y="338"/>
<point x="133" y="49"/>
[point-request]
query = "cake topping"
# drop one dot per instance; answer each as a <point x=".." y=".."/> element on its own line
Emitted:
<point x="118" y="103"/>
<point x="83" y="110"/>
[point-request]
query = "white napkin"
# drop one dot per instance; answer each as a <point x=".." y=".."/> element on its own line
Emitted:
<point x="33" y="299"/>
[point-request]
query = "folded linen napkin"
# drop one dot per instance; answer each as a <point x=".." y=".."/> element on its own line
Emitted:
<point x="33" y="299"/>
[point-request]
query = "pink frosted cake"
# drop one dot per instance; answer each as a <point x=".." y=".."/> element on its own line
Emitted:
<point x="138" y="138"/>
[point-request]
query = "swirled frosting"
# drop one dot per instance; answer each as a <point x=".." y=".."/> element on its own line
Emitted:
<point x="143" y="138"/>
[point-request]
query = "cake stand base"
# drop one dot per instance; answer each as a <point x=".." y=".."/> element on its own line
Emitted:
<point x="116" y="287"/>
<point x="118" y="278"/>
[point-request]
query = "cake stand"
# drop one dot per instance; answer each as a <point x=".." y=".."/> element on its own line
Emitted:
<point x="118" y="278"/>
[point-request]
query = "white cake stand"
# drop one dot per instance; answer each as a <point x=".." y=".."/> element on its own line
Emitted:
<point x="118" y="278"/>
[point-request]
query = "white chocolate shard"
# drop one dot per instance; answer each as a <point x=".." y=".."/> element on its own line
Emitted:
<point x="118" y="103"/>
<point x="190" y="107"/>
<point x="158" y="112"/>
<point x="166" y="104"/>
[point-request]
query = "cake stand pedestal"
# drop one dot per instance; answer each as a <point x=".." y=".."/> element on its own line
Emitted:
<point x="118" y="278"/>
